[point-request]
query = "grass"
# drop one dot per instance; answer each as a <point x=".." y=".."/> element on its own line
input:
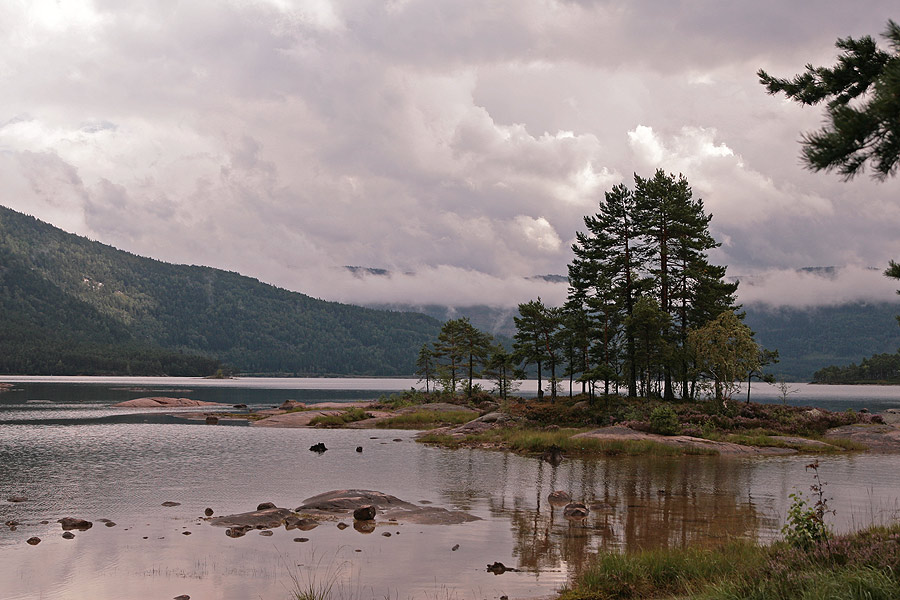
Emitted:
<point x="529" y="441"/>
<point x="426" y="419"/>
<point x="863" y="565"/>
<point x="348" y="416"/>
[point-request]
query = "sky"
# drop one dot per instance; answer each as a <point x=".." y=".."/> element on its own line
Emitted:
<point x="456" y="144"/>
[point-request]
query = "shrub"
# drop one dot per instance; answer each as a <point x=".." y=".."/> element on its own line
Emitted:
<point x="664" y="421"/>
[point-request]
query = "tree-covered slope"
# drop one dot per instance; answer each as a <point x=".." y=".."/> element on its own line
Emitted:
<point x="62" y="292"/>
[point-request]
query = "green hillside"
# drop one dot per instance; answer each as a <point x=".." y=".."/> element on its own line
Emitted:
<point x="71" y="305"/>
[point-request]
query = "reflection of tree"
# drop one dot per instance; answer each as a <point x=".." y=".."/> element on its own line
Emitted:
<point x="635" y="503"/>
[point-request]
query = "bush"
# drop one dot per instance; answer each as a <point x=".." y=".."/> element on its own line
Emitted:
<point x="664" y="421"/>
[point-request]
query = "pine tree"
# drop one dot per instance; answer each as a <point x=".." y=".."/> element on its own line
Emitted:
<point x="862" y="111"/>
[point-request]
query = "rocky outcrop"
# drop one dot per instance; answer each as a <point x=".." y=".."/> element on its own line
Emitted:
<point x="685" y="442"/>
<point x="877" y="438"/>
<point x="344" y="502"/>
<point x="163" y="402"/>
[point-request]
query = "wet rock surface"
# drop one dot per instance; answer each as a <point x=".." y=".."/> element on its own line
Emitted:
<point x="878" y="438"/>
<point x="268" y="518"/>
<point x="340" y="502"/>
<point x="69" y="523"/>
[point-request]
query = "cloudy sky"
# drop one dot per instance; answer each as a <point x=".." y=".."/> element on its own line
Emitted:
<point x="456" y="143"/>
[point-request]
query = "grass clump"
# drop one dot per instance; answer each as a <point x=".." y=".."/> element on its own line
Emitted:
<point x="348" y="416"/>
<point x="425" y="419"/>
<point x="863" y="565"/>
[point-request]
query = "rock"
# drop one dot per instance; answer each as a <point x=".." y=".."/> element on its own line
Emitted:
<point x="237" y="531"/>
<point x="11" y="523"/>
<point x="320" y="448"/>
<point x="397" y="440"/>
<point x="33" y="541"/>
<point x="386" y="534"/>
<point x="169" y="503"/>
<point x="239" y="406"/>
<point x="291" y="405"/>
<point x="17" y="499"/>
<point x="493" y="417"/>
<point x="454" y="548"/>
<point x="364" y="513"/>
<point x="185" y="533"/>
<point x="266" y="532"/>
<point x="342" y="526"/>
<point x="488" y="406"/>
<point x="182" y="597"/>
<point x="389" y="507"/>
<point x="301" y="539"/>
<point x="575" y="510"/>
<point x="212" y="420"/>
<point x="583" y="405"/>
<point x="364" y="526"/>
<point x="163" y="402"/>
<point x="110" y="524"/>
<point x="269" y="518"/>
<point x="68" y="535"/>
<point x="498" y="568"/>
<point x="69" y="523"/>
<point x="208" y="512"/>
<point x="559" y="498"/>
<point x="265" y="505"/>
<point x="814" y="413"/>
<point x="359" y="448"/>
<point x="294" y="522"/>
<point x="553" y="455"/>
<point x="864" y="411"/>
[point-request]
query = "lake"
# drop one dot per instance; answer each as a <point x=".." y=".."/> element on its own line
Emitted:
<point x="63" y="447"/>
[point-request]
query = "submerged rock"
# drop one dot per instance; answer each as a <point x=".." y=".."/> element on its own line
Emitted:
<point x="269" y="518"/>
<point x="169" y="504"/>
<point x="575" y="510"/>
<point x="390" y="507"/>
<point x="33" y="541"/>
<point x="68" y="535"/>
<point x="69" y="523"/>
<point x="17" y="499"/>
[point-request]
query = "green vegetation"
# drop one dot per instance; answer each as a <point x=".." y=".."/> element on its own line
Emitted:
<point x="864" y="565"/>
<point x="69" y="305"/>
<point x="878" y="369"/>
<point x="862" y="111"/>
<point x="425" y="419"/>
<point x="350" y="415"/>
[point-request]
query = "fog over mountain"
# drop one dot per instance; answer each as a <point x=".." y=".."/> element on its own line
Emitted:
<point x="456" y="143"/>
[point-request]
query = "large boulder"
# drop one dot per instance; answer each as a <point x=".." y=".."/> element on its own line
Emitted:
<point x="365" y="513"/>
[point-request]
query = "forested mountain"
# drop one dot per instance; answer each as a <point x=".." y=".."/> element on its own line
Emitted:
<point x="72" y="305"/>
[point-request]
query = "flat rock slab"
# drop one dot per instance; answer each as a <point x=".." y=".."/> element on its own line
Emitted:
<point x="878" y="438"/>
<point x="438" y="407"/>
<point x="891" y="416"/>
<point x="389" y="507"/>
<point x="294" y="419"/>
<point x="804" y="442"/>
<point x="618" y="432"/>
<point x="268" y="518"/>
<point x="163" y="402"/>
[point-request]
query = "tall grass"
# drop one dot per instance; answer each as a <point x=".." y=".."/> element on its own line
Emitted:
<point x="348" y="416"/>
<point x="863" y="565"/>
<point x="425" y="419"/>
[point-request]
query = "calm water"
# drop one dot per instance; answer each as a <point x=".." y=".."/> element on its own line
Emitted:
<point x="64" y="447"/>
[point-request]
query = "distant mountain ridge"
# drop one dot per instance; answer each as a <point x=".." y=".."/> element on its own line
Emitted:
<point x="72" y="305"/>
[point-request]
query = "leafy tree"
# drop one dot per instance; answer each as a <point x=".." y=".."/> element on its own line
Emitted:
<point x="477" y="347"/>
<point x="766" y="358"/>
<point x="862" y="111"/>
<point x="725" y="352"/>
